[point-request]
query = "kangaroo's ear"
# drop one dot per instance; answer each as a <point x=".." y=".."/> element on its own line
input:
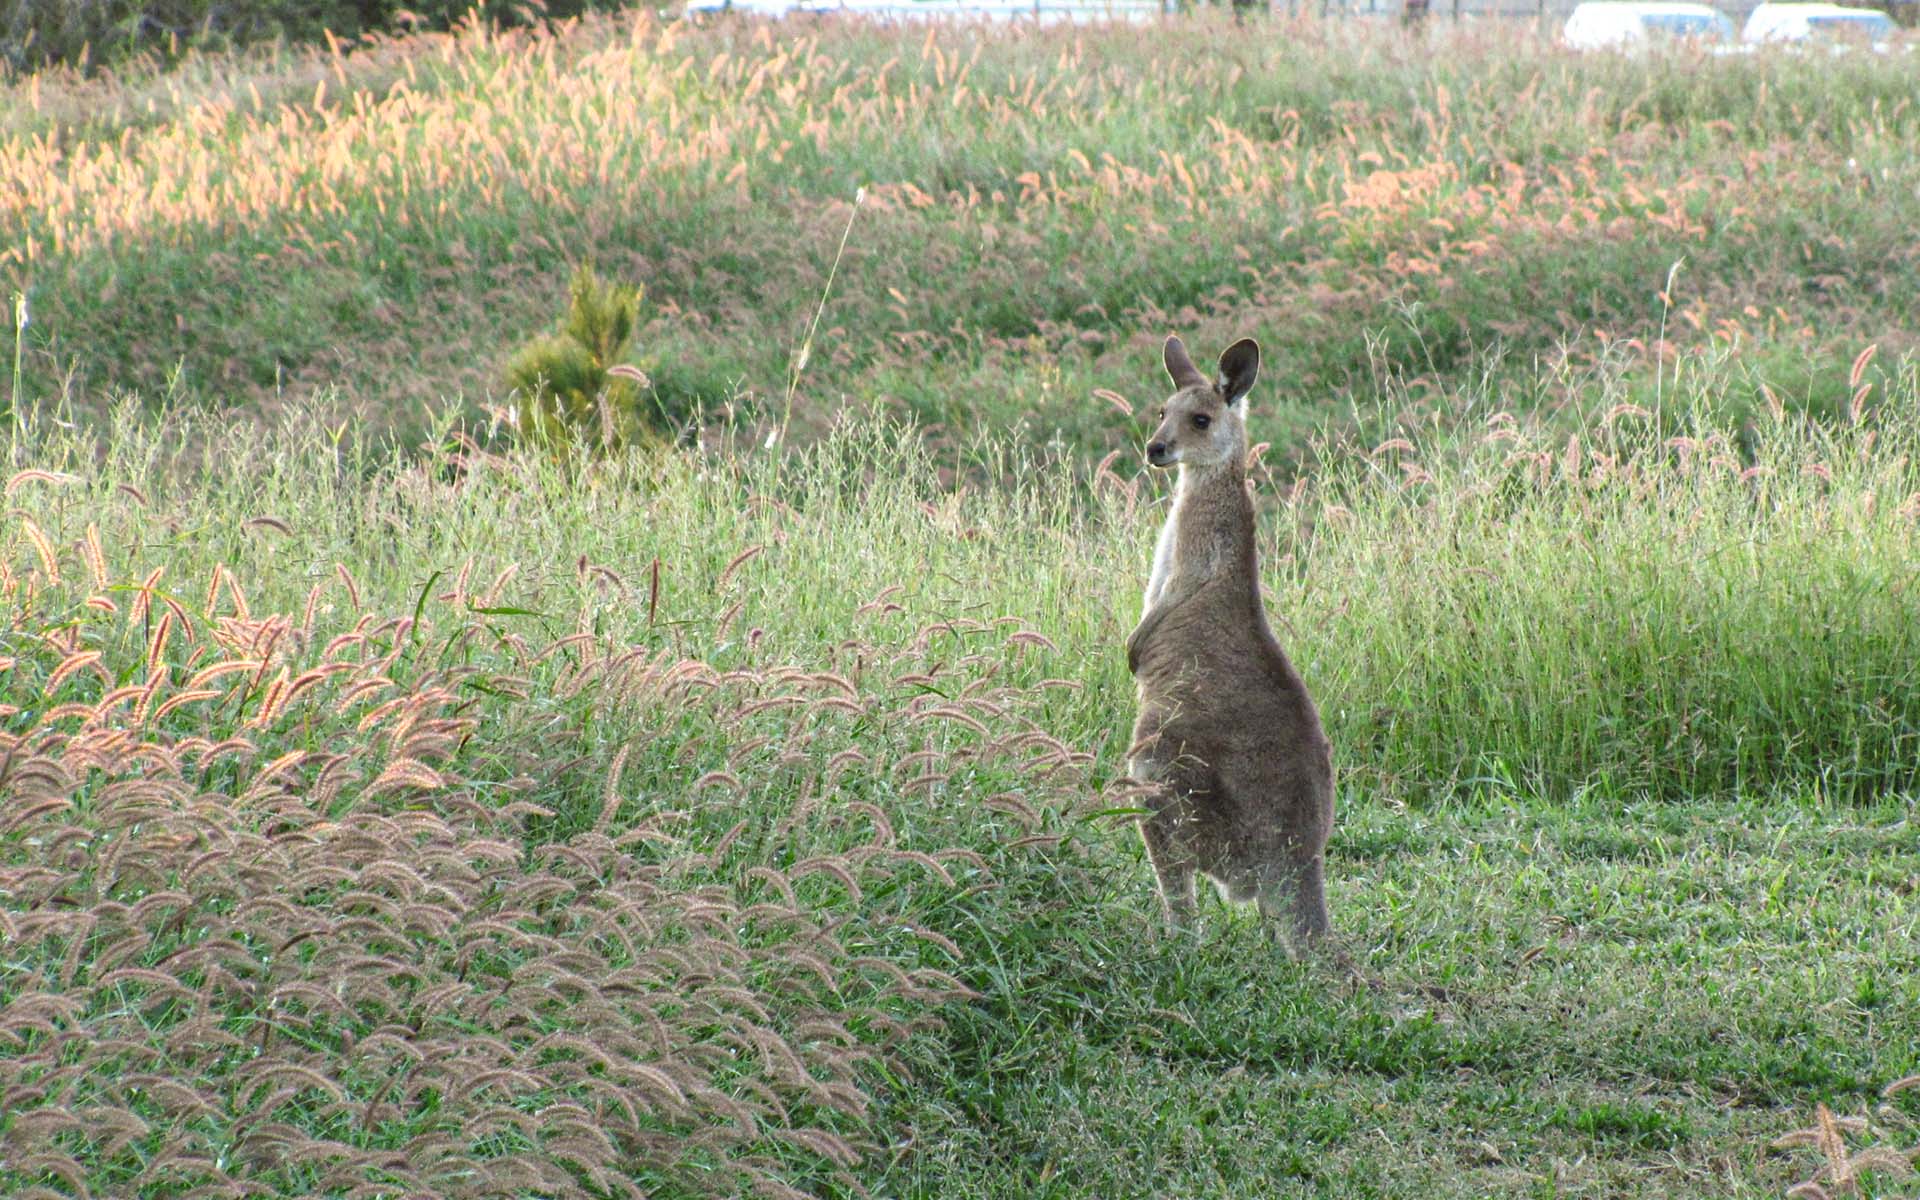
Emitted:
<point x="1180" y="365"/>
<point x="1239" y="367"/>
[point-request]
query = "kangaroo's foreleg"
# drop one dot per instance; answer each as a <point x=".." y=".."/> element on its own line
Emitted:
<point x="1165" y="602"/>
<point x="1138" y="637"/>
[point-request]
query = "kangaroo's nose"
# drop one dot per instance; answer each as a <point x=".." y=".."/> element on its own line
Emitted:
<point x="1156" y="451"/>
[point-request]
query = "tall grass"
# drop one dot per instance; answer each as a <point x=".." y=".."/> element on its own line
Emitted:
<point x="91" y="34"/>
<point x="444" y="885"/>
<point x="1658" y="604"/>
<point x="477" y="823"/>
<point x="712" y="822"/>
<point x="1361" y="202"/>
<point x="1651" y="607"/>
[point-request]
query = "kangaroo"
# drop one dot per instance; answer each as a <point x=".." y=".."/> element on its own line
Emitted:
<point x="1240" y="769"/>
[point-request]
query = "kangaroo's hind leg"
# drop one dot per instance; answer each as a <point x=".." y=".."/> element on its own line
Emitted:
<point x="1294" y="892"/>
<point x="1173" y="870"/>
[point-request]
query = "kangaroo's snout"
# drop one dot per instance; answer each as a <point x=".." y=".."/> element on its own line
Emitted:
<point x="1157" y="453"/>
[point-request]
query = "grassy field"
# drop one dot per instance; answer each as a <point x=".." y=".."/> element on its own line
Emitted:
<point x="1390" y="218"/>
<point x="386" y="809"/>
<point x="683" y="798"/>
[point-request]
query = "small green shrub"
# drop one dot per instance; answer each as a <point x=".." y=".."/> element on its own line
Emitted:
<point x="565" y="387"/>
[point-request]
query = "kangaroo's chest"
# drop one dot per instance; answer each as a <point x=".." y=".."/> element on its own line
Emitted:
<point x="1184" y="560"/>
<point x="1162" y="566"/>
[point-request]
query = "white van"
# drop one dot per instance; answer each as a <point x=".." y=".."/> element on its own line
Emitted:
<point x="1620" y="24"/>
<point x="1817" y="22"/>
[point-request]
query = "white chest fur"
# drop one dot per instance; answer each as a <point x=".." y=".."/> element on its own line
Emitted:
<point x="1162" y="561"/>
<point x="1182" y="560"/>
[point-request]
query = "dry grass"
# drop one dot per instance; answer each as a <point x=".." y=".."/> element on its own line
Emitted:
<point x="1375" y="210"/>
<point x="144" y="91"/>
<point x="515" y="116"/>
<point x="1847" y="1172"/>
<point x="282" y="916"/>
<point x="705" y="819"/>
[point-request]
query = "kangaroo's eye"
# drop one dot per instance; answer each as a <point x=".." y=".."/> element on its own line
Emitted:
<point x="1163" y="414"/>
<point x="1201" y="420"/>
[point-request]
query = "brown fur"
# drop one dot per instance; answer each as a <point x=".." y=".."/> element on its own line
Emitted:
<point x="1227" y="733"/>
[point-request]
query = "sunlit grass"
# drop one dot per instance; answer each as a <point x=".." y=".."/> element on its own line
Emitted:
<point x="1372" y="208"/>
<point x="1625" y="725"/>
<point x="357" y="798"/>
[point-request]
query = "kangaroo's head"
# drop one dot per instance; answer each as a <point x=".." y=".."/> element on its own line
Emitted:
<point x="1204" y="422"/>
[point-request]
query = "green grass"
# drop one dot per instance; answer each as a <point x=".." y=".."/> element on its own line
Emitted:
<point x="1379" y="213"/>
<point x="1623" y="1023"/>
<point x="694" y="758"/>
<point x="1625" y="761"/>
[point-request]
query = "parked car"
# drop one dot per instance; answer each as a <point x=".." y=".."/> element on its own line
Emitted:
<point x="1621" y="24"/>
<point x="1801" y="22"/>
